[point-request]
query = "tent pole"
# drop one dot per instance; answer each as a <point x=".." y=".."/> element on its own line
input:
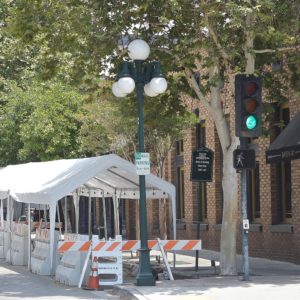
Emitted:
<point x="66" y="215"/>
<point x="8" y="218"/>
<point x="174" y="218"/>
<point x="104" y="216"/>
<point x="90" y="216"/>
<point x="116" y="214"/>
<point x="45" y="215"/>
<point x="76" y="204"/>
<point x="52" y="232"/>
<point x="58" y="217"/>
<point x="1" y="214"/>
<point x="29" y="236"/>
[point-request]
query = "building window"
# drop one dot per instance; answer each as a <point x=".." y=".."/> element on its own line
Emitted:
<point x="283" y="187"/>
<point x="254" y="194"/>
<point x="180" y="193"/>
<point x="179" y="147"/>
<point x="200" y="134"/>
<point x="201" y="191"/>
<point x="286" y="191"/>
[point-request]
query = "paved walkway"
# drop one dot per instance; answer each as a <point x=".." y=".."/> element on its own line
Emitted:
<point x="16" y="282"/>
<point x="269" y="280"/>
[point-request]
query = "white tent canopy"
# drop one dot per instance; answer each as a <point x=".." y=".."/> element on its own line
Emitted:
<point x="103" y="176"/>
<point x="47" y="182"/>
<point x="108" y="176"/>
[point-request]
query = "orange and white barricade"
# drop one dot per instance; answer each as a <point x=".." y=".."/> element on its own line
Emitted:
<point x="130" y="245"/>
<point x="168" y="245"/>
<point x="110" y="266"/>
<point x="109" y="253"/>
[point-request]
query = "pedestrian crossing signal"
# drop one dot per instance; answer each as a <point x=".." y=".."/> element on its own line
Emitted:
<point x="244" y="159"/>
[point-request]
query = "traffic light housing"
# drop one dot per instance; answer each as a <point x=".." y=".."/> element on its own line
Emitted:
<point x="248" y="106"/>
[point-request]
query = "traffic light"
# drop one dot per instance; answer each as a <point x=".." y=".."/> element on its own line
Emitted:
<point x="248" y="105"/>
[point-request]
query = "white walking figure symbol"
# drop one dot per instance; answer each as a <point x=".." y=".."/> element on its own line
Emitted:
<point x="239" y="159"/>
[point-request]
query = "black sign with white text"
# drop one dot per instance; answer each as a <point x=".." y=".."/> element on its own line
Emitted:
<point x="202" y="164"/>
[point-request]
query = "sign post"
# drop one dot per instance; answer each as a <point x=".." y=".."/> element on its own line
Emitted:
<point x="244" y="159"/>
<point x="201" y="171"/>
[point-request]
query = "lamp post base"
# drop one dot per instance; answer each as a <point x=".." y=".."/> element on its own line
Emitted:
<point x="145" y="276"/>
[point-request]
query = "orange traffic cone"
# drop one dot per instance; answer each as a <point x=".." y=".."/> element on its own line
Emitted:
<point x="93" y="280"/>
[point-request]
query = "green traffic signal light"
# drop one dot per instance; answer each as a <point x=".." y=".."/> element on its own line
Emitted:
<point x="248" y="105"/>
<point x="251" y="122"/>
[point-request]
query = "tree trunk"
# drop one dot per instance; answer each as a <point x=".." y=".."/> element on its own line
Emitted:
<point x="229" y="180"/>
<point x="162" y="214"/>
<point x="163" y="219"/>
<point x="230" y="209"/>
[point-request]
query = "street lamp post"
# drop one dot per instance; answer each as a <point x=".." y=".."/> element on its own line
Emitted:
<point x="147" y="77"/>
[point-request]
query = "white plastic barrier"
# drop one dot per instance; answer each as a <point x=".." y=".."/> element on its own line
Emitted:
<point x="110" y="268"/>
<point x="4" y="239"/>
<point x="69" y="268"/>
<point x="108" y="253"/>
<point x="19" y="244"/>
<point x="40" y="257"/>
<point x="2" y="253"/>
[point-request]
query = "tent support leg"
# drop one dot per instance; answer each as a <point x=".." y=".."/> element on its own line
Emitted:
<point x="66" y="215"/>
<point x="58" y="217"/>
<point x="104" y="217"/>
<point x="52" y="232"/>
<point x="29" y="237"/>
<point x="1" y="214"/>
<point x="90" y="216"/>
<point x="76" y="204"/>
<point x="116" y="213"/>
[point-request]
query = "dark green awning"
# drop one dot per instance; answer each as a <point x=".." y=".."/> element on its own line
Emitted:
<point x="287" y="145"/>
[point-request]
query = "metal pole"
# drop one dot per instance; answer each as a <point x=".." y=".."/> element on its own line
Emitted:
<point x="116" y="214"/>
<point x="245" y="231"/>
<point x="104" y="217"/>
<point x="144" y="276"/>
<point x="66" y="215"/>
<point x="90" y="216"/>
<point x="199" y="191"/>
<point x="29" y="237"/>
<point x="58" y="217"/>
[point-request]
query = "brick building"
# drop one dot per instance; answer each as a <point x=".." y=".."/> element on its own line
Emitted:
<point x="273" y="195"/>
<point x="274" y="189"/>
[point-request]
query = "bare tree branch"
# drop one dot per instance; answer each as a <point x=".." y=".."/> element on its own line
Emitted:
<point x="194" y="85"/>
<point x="285" y="49"/>
<point x="214" y="36"/>
<point x="190" y="78"/>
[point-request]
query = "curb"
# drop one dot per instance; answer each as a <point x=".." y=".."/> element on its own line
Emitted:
<point x="128" y="293"/>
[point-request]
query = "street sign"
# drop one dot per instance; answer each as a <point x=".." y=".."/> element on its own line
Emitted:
<point x="244" y="158"/>
<point x="202" y="164"/>
<point x="142" y="163"/>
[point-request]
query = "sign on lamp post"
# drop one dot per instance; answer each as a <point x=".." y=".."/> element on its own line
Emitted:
<point x="142" y="163"/>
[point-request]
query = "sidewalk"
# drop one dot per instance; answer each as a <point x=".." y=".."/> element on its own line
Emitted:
<point x="16" y="282"/>
<point x="269" y="280"/>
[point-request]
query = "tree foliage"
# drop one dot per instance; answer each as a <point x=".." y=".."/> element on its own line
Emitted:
<point x="40" y="123"/>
